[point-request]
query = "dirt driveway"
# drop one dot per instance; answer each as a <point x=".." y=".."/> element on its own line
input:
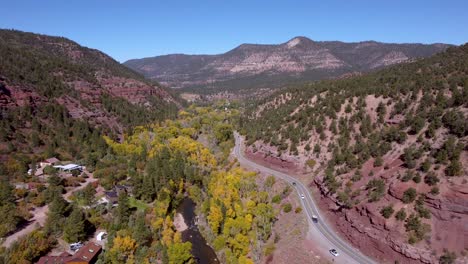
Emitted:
<point x="40" y="215"/>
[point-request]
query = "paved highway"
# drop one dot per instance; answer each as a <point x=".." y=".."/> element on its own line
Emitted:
<point x="324" y="234"/>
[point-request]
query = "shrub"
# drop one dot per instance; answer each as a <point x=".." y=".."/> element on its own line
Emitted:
<point x="412" y="223"/>
<point x="425" y="166"/>
<point x="435" y="190"/>
<point x="409" y="195"/>
<point x="331" y="182"/>
<point x="424" y="212"/>
<point x="431" y="179"/>
<point x="356" y="177"/>
<point x="417" y="124"/>
<point x="408" y="176"/>
<point x="417" y="178"/>
<point x="376" y="189"/>
<point x="317" y="148"/>
<point x="401" y="215"/>
<point x="454" y="168"/>
<point x="287" y="208"/>
<point x="270" y="181"/>
<point x="378" y="161"/>
<point x="448" y="258"/>
<point x="455" y="122"/>
<point x="419" y="207"/>
<point x="387" y="211"/>
<point x="416" y="229"/>
<point x="409" y="156"/>
<point x="412" y="239"/>
<point x="311" y="163"/>
<point x="276" y="199"/>
<point x="298" y="210"/>
<point x="343" y="197"/>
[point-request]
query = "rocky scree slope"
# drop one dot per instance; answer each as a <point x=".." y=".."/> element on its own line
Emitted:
<point x="387" y="150"/>
<point x="268" y="66"/>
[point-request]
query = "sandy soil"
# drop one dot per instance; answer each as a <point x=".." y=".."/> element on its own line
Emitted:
<point x="179" y="223"/>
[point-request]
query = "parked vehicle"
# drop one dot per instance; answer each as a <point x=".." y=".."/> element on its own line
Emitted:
<point x="75" y="246"/>
<point x="101" y="236"/>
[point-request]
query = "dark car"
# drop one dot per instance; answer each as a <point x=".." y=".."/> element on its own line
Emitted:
<point x="334" y="252"/>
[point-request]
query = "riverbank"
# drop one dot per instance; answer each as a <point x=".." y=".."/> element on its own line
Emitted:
<point x="179" y="223"/>
<point x="185" y="217"/>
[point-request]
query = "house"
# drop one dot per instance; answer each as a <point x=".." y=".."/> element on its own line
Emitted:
<point x="112" y="196"/>
<point x="120" y="189"/>
<point x="61" y="259"/>
<point x="22" y="185"/>
<point x="69" y="167"/>
<point x="49" y="162"/>
<point x="87" y="254"/>
<point x="123" y="189"/>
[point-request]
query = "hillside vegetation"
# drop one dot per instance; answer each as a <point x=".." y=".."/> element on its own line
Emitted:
<point x="57" y="97"/>
<point x="388" y="148"/>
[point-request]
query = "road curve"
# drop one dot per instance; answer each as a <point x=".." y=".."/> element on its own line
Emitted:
<point x="348" y="254"/>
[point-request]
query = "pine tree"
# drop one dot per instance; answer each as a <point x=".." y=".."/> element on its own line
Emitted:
<point x="74" y="229"/>
<point x="123" y="210"/>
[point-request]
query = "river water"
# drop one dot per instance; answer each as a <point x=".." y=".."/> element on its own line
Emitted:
<point x="202" y="253"/>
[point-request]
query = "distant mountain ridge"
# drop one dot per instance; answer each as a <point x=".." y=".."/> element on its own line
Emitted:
<point x="260" y="65"/>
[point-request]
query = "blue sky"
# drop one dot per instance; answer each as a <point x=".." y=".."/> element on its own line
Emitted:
<point x="134" y="29"/>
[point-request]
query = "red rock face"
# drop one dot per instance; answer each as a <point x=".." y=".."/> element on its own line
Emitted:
<point x="17" y="96"/>
<point x="369" y="231"/>
<point x="88" y="91"/>
<point x="384" y="239"/>
<point x="90" y="74"/>
<point x="134" y="91"/>
<point x="88" y="105"/>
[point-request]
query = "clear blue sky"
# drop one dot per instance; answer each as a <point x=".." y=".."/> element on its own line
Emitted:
<point x="134" y="29"/>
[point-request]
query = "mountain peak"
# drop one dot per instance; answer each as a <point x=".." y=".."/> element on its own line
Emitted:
<point x="297" y="41"/>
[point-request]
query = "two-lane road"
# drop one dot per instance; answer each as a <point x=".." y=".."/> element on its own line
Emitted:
<point x="322" y="232"/>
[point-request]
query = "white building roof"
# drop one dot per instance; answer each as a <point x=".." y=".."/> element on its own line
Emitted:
<point x="68" y="167"/>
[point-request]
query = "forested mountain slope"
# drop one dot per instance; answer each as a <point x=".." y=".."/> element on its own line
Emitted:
<point x="388" y="151"/>
<point x="253" y="66"/>
<point x="55" y="93"/>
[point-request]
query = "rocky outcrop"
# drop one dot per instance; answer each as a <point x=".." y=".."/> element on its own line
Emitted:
<point x="369" y="231"/>
<point x="17" y="96"/>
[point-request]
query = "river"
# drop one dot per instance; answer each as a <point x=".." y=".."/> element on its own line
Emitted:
<point x="201" y="252"/>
